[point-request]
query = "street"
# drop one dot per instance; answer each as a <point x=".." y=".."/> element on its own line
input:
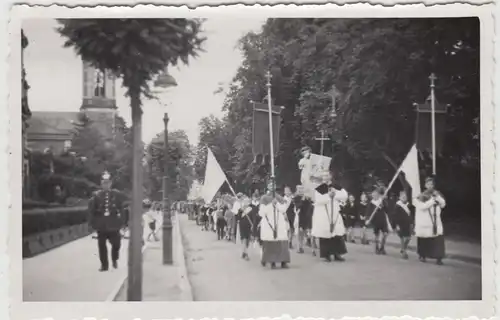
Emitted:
<point x="217" y="273"/>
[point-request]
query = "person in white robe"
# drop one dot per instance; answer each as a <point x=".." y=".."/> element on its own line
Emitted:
<point x="274" y="230"/>
<point x="428" y="224"/>
<point x="235" y="209"/>
<point x="305" y="167"/>
<point x="327" y="223"/>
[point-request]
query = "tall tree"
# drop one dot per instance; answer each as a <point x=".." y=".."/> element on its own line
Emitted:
<point x="136" y="50"/>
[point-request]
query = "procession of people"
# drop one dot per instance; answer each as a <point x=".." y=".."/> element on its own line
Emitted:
<point x="321" y="214"/>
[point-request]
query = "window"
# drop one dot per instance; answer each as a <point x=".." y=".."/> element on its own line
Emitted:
<point x="99" y="81"/>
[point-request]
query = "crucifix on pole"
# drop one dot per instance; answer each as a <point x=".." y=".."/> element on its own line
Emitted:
<point x="334" y="93"/>
<point x="322" y="141"/>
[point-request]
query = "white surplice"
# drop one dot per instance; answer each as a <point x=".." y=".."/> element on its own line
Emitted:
<point x="323" y="215"/>
<point x="424" y="214"/>
<point x="273" y="216"/>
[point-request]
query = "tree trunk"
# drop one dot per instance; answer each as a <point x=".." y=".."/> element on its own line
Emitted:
<point x="134" y="288"/>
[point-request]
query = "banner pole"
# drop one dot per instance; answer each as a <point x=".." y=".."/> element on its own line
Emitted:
<point x="433" y="124"/>
<point x="271" y="142"/>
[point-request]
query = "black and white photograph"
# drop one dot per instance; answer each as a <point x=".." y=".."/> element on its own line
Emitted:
<point x="255" y="158"/>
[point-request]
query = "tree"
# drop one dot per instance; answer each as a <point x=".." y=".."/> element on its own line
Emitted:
<point x="180" y="165"/>
<point x="136" y="50"/>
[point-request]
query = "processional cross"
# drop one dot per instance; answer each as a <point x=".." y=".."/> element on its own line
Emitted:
<point x="322" y="141"/>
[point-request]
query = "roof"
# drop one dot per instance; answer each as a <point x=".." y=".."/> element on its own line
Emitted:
<point x="51" y="122"/>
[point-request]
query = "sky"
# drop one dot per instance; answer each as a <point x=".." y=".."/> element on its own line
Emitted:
<point x="54" y="74"/>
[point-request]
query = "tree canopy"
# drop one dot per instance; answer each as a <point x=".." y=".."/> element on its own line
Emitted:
<point x="180" y="165"/>
<point x="134" y="49"/>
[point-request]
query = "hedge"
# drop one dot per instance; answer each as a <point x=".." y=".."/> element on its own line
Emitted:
<point x="40" y="220"/>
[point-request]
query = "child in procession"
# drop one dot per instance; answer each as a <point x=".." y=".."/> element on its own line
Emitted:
<point x="403" y="215"/>
<point x="376" y="210"/>
<point x="221" y="221"/>
<point x="363" y="203"/>
<point x="349" y="214"/>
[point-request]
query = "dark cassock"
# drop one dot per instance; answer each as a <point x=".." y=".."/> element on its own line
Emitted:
<point x="292" y="218"/>
<point x="428" y="224"/>
<point x="327" y="223"/>
<point x="247" y="220"/>
<point x="107" y="218"/>
<point x="274" y="231"/>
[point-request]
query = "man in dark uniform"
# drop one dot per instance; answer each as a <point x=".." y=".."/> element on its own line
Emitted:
<point x="107" y="218"/>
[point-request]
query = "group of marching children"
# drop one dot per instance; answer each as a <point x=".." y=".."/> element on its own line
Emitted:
<point x="420" y="217"/>
<point x="325" y="220"/>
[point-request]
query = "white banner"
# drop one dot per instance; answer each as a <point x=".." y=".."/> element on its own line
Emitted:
<point x="214" y="178"/>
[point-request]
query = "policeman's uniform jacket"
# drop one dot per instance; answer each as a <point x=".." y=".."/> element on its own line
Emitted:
<point x="106" y="210"/>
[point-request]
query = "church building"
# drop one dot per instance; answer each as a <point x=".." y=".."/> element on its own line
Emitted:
<point x="53" y="130"/>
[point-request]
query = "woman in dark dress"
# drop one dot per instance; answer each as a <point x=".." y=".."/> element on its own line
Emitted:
<point x="303" y="207"/>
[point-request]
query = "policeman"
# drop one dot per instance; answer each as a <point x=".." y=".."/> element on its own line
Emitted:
<point x="107" y="218"/>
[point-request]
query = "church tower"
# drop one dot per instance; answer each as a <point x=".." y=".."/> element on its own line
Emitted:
<point x="99" y="102"/>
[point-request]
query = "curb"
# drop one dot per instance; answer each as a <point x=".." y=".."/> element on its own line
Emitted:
<point x="119" y="286"/>
<point x="452" y="256"/>
<point x="185" y="284"/>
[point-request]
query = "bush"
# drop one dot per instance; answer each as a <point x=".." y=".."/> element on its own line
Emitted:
<point x="71" y="187"/>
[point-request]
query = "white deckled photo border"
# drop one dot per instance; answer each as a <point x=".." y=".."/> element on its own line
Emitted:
<point x="12" y="262"/>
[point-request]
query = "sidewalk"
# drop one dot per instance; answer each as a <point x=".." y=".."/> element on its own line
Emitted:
<point x="458" y="250"/>
<point x="70" y="273"/>
<point x="163" y="282"/>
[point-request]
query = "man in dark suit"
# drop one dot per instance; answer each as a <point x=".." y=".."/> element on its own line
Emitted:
<point x="107" y="217"/>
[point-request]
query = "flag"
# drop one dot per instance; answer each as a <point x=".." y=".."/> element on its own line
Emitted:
<point x="214" y="178"/>
<point x="260" y="136"/>
<point x="411" y="172"/>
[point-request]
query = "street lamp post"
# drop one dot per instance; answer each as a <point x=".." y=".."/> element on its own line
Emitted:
<point x="167" y="217"/>
<point x="165" y="80"/>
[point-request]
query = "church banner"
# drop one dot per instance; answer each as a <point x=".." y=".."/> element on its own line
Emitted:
<point x="319" y="164"/>
<point x="260" y="136"/>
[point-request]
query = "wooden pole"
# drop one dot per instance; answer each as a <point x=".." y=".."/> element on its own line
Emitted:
<point x="134" y="287"/>
<point x="271" y="142"/>
<point x="433" y="124"/>
<point x="167" y="216"/>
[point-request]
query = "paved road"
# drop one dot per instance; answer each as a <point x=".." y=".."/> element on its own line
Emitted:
<point x="217" y="273"/>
